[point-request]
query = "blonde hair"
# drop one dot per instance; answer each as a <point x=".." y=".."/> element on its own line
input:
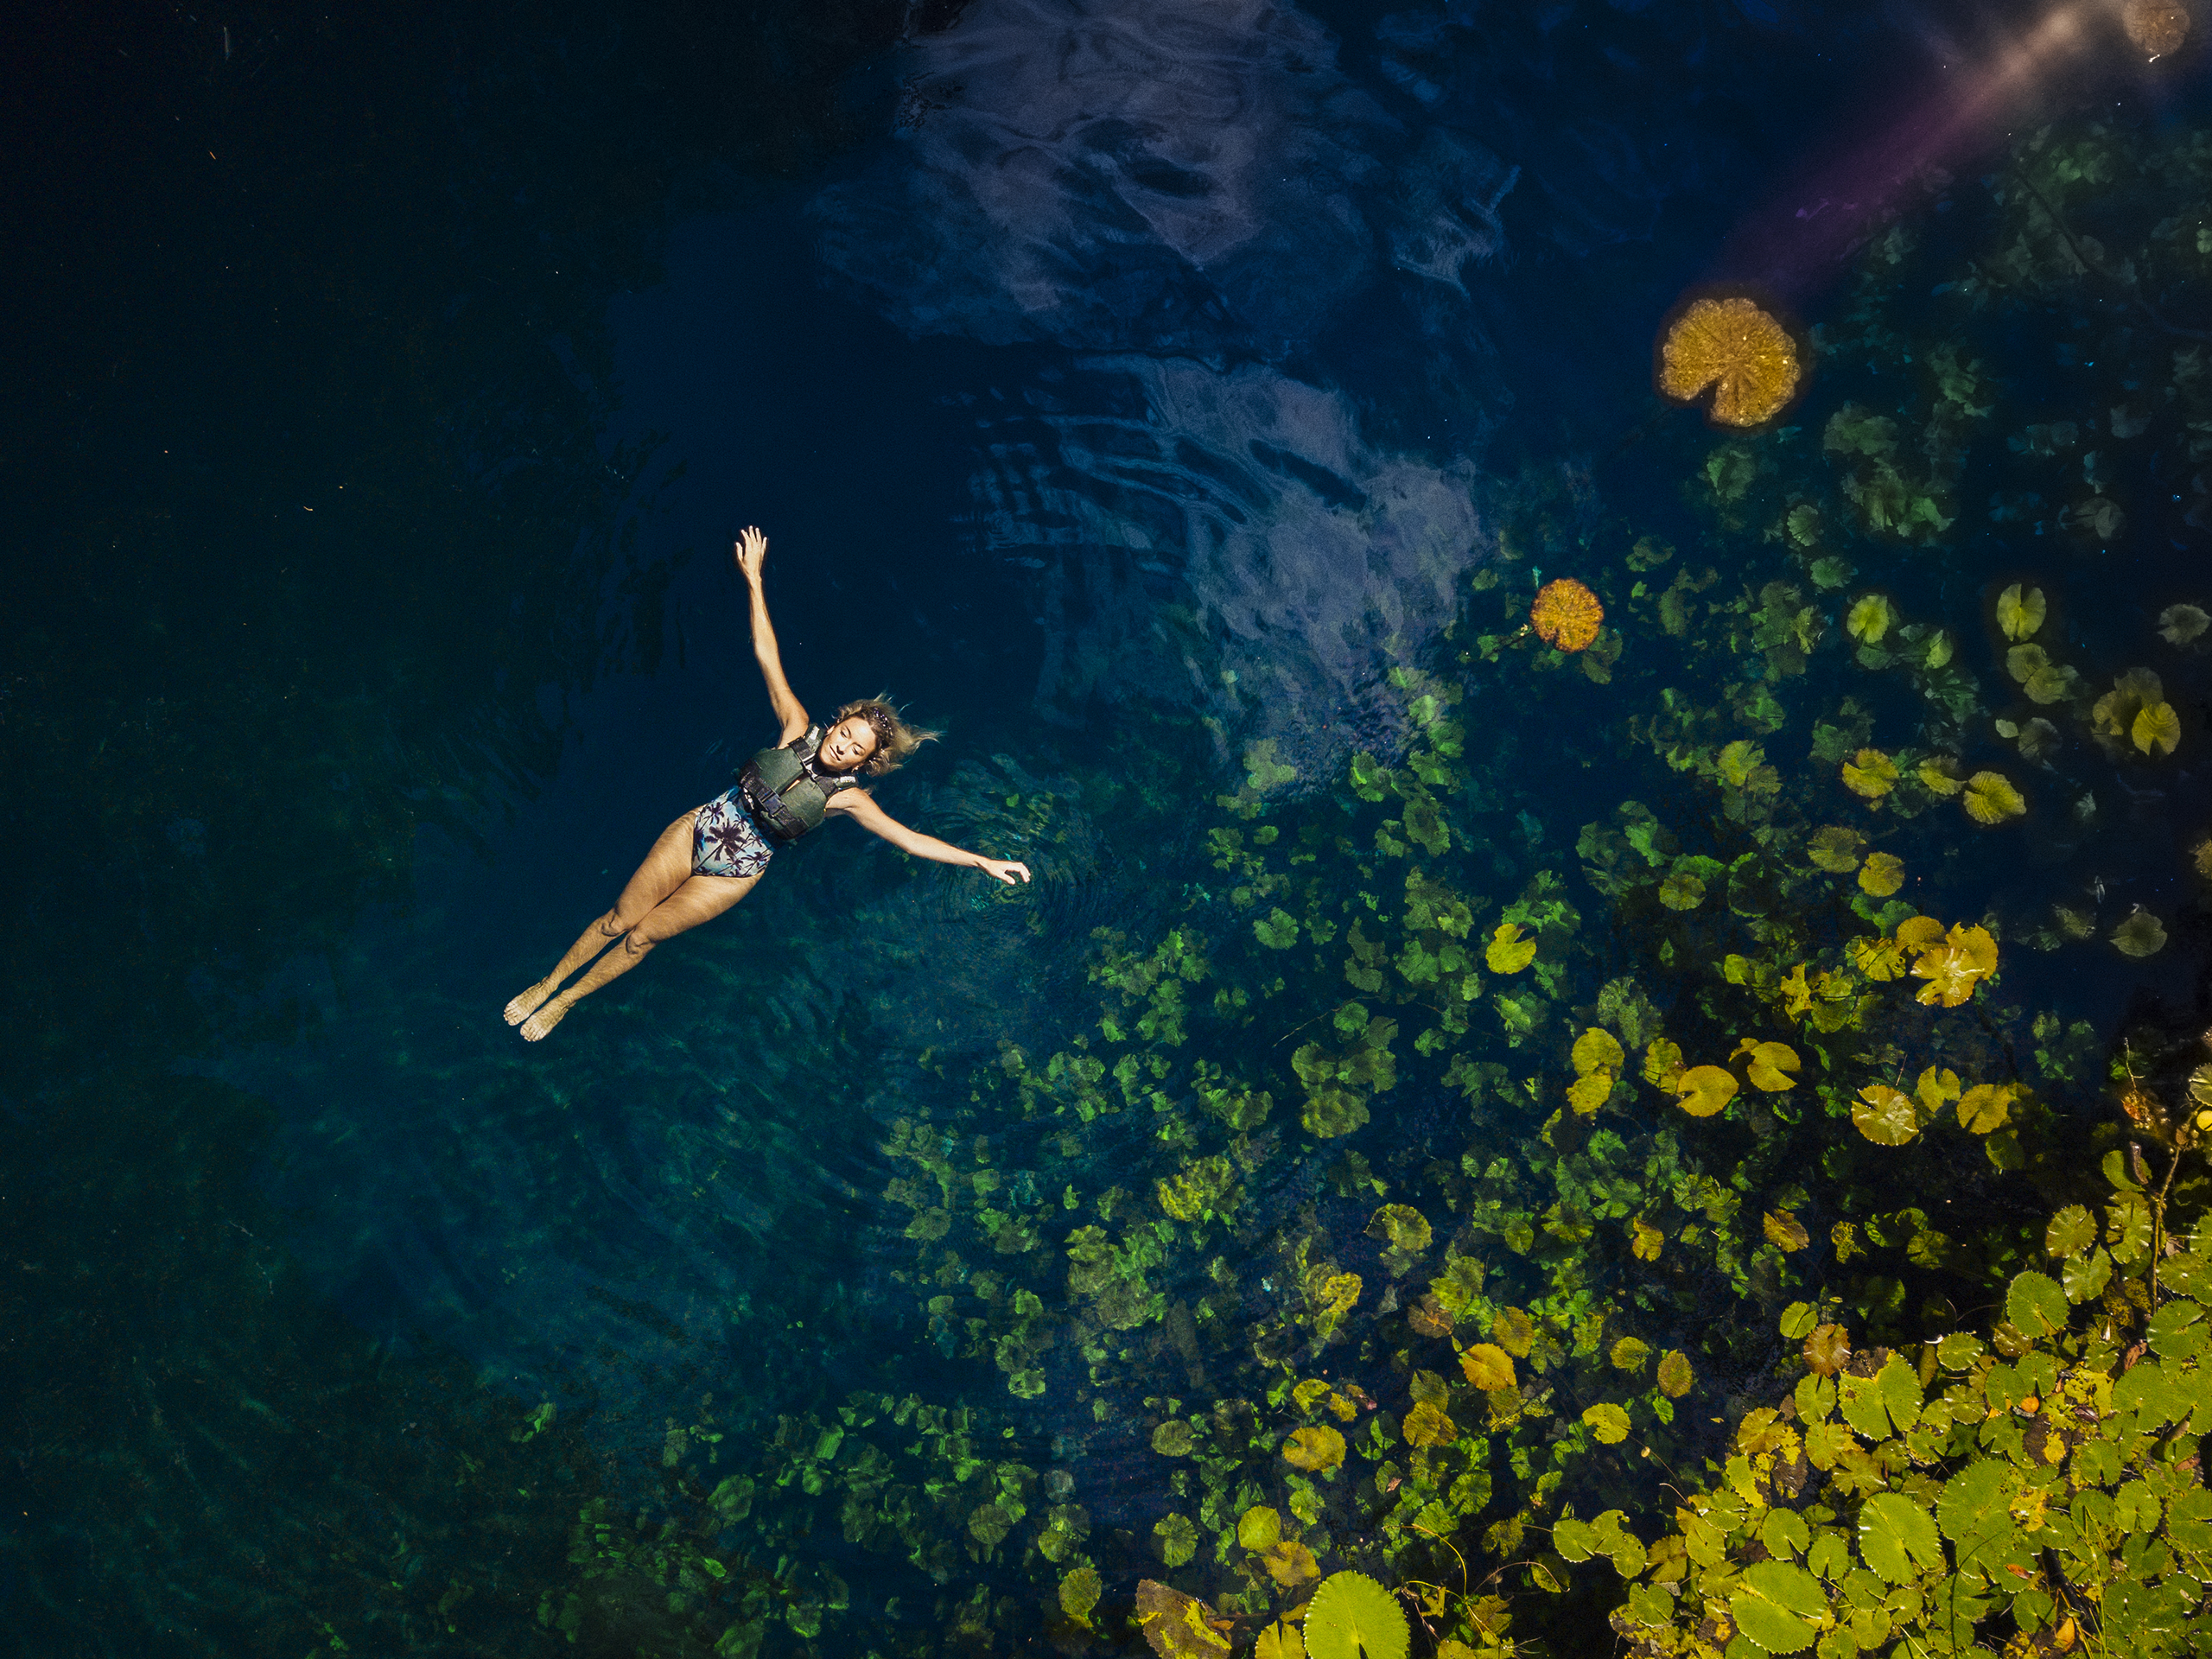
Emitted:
<point x="895" y="740"/>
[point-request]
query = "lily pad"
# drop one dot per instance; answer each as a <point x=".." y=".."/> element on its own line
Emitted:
<point x="1991" y="799"/>
<point x="2020" y="611"/>
<point x="1777" y="1605"/>
<point x="1175" y="1625"/>
<point x="1351" y="1616"/>
<point x="1704" y="1090"/>
<point x="1488" y="1366"/>
<point x="1887" y="1117"/>
<point x="1314" y="1448"/>
<point x="1897" y="1538"/>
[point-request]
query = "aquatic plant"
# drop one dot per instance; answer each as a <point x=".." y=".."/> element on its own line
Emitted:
<point x="2158" y="26"/>
<point x="1581" y="1107"/>
<point x="1730" y="345"/>
<point x="1567" y="615"/>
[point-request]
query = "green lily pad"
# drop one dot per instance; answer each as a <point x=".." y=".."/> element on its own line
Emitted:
<point x="1351" y="1616"/>
<point x="2072" y="1230"/>
<point x="2034" y="1305"/>
<point x="1897" y="1538"/>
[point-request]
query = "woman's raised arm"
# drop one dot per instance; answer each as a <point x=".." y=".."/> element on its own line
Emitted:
<point x="752" y="554"/>
<point x="857" y="803"/>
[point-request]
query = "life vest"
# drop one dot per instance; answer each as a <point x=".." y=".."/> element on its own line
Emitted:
<point x="787" y="790"/>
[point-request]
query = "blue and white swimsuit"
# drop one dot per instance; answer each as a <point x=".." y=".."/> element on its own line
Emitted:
<point x="726" y="842"/>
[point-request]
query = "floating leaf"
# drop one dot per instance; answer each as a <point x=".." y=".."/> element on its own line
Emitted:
<point x="1939" y="775"/>
<point x="1172" y="1438"/>
<point x="1778" y="1605"/>
<point x="1488" y="1366"/>
<point x="1175" y="1625"/>
<point x="2035" y="1306"/>
<point x="1884" y="1116"/>
<point x="2179" y="624"/>
<point x="1662" y="1065"/>
<point x="1567" y="615"/>
<point x="1869" y="619"/>
<point x="1785" y="1232"/>
<point x="1290" y="1563"/>
<point x="1674" y="1375"/>
<point x="2020" y="611"/>
<point x="1733" y="347"/>
<point x="1351" y="1616"/>
<point x="1608" y="1422"/>
<point x="1798" y="1320"/>
<point x="1406" y="1228"/>
<point x="2141" y="935"/>
<point x="1991" y="798"/>
<point x="1629" y="1355"/>
<point x="1953" y="966"/>
<point x="1681" y="891"/>
<point x="1834" y="848"/>
<point x="1314" y="1448"/>
<point x="1985" y="1107"/>
<point x="1897" y="1537"/>
<point x="2072" y="1230"/>
<point x="1176" y="1539"/>
<point x="2156" y="730"/>
<point x="1883" y="875"/>
<point x="1596" y="1049"/>
<point x="1771" y="1068"/>
<point x="1281" y="1640"/>
<point x="2158" y="28"/>
<point x="1508" y="952"/>
<point x="1704" y="1090"/>
<point x="1079" y="1593"/>
<point x="1426" y="1425"/>
<point x="1513" y="1331"/>
<point x="1828" y="1350"/>
<point x="1869" y="774"/>
<point x="1258" y="1526"/>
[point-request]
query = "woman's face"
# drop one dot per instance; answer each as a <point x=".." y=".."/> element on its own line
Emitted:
<point x="848" y="743"/>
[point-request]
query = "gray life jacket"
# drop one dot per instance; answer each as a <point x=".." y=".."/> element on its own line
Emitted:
<point x="787" y="790"/>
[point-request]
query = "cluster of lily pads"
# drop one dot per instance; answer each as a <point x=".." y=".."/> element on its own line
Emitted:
<point x="1509" y="1122"/>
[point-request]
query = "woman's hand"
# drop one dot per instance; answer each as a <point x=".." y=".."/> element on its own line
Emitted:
<point x="752" y="552"/>
<point x="1003" y="869"/>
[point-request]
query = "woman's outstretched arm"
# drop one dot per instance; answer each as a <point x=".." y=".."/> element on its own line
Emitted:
<point x="857" y="803"/>
<point x="752" y="554"/>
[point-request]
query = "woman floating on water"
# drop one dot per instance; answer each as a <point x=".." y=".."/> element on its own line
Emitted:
<point x="709" y="859"/>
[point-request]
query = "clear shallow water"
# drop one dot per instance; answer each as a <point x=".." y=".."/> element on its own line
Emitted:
<point x="1148" y="400"/>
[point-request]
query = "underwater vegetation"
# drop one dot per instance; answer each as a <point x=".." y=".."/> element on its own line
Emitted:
<point x="1626" y="1172"/>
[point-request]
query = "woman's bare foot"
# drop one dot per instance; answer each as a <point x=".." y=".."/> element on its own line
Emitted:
<point x="525" y="1005"/>
<point x="545" y="1019"/>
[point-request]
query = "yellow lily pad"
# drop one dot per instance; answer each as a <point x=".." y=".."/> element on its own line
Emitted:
<point x="1883" y="875"/>
<point x="1704" y="1090"/>
<point x="1991" y="798"/>
<point x="1509" y="952"/>
<point x="1869" y="773"/>
<point x="2157" y="728"/>
<point x="2020" y="611"/>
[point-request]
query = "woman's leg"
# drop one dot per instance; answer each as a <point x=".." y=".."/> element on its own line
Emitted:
<point x="666" y="868"/>
<point x="701" y="899"/>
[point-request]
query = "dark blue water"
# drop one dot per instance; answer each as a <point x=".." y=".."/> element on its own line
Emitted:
<point x="1122" y="385"/>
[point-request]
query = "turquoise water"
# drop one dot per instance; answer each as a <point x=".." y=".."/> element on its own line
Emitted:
<point x="1181" y="408"/>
